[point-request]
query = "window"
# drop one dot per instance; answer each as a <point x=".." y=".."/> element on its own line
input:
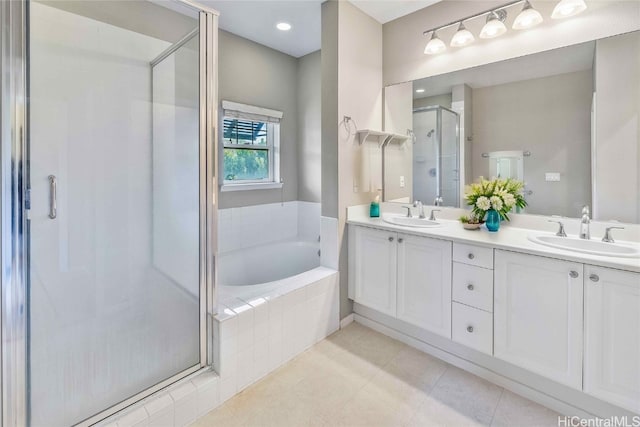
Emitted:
<point x="250" y="141"/>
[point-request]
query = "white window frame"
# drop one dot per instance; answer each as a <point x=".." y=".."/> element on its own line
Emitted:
<point x="234" y="110"/>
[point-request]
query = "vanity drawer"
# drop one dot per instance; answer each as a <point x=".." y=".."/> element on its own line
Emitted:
<point x="473" y="255"/>
<point x="472" y="327"/>
<point x="473" y="286"/>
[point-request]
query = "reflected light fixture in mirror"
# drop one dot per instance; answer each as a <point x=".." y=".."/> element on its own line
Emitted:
<point x="462" y="37"/>
<point x="435" y="45"/>
<point x="495" y="25"/>
<point x="567" y="8"/>
<point x="528" y="18"/>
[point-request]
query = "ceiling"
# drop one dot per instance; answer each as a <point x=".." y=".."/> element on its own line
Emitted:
<point x="553" y="62"/>
<point x="256" y="19"/>
<point x="384" y="11"/>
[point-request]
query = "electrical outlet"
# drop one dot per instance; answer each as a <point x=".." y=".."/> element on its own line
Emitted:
<point x="552" y="176"/>
<point x="401" y="181"/>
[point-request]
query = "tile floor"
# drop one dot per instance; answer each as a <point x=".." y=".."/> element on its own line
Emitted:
<point x="358" y="377"/>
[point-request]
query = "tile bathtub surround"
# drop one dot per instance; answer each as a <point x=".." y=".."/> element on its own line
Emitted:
<point x="248" y="226"/>
<point x="180" y="406"/>
<point x="358" y="377"/>
<point x="254" y="336"/>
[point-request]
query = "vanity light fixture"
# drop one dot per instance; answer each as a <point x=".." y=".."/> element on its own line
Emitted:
<point x="528" y="18"/>
<point x="435" y="45"/>
<point x="283" y="26"/>
<point x="462" y="37"/>
<point x="567" y="8"/>
<point x="495" y="23"/>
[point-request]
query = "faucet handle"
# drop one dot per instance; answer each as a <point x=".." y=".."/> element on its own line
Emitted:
<point x="432" y="217"/>
<point x="607" y="234"/>
<point x="561" y="232"/>
<point x="408" y="208"/>
<point x="585" y="210"/>
<point x="416" y="203"/>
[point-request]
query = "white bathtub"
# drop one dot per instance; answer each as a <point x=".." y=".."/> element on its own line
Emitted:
<point x="267" y="263"/>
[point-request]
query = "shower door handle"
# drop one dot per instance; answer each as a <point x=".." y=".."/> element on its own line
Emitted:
<point x="53" y="196"/>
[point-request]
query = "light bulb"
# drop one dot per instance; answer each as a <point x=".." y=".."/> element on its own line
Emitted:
<point x="567" y="8"/>
<point x="494" y="26"/>
<point x="435" y="45"/>
<point x="528" y="18"/>
<point x="462" y="37"/>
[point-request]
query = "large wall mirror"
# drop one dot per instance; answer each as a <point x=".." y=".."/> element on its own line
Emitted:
<point x="565" y="121"/>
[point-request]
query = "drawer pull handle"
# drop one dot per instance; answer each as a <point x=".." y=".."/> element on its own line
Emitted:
<point x="470" y="286"/>
<point x="471" y="256"/>
<point x="573" y="274"/>
<point x="400" y="240"/>
<point x="594" y="277"/>
<point x="391" y="239"/>
<point x="469" y="329"/>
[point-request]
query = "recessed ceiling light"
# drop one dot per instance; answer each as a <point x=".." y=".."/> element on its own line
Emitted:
<point x="419" y="90"/>
<point x="283" y="26"/>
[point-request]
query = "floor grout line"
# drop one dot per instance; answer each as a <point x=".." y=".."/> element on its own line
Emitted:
<point x="496" y="408"/>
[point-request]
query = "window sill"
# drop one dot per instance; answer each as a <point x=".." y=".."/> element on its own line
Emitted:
<point x="251" y="186"/>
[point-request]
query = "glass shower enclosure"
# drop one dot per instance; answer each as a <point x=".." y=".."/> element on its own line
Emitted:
<point x="108" y="111"/>
<point x="436" y="156"/>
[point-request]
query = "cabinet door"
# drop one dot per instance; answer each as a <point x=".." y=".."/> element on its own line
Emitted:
<point x="612" y="336"/>
<point x="424" y="283"/>
<point x="375" y="269"/>
<point x="538" y="315"/>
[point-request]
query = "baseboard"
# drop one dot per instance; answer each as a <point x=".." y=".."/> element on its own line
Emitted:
<point x="507" y="383"/>
<point x="347" y="320"/>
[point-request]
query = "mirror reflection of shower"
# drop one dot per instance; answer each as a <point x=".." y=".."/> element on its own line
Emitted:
<point x="436" y="156"/>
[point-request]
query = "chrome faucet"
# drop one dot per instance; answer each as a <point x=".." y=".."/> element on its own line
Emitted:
<point x="432" y="217"/>
<point x="418" y="204"/>
<point x="607" y="234"/>
<point x="585" y="232"/>
<point x="438" y="201"/>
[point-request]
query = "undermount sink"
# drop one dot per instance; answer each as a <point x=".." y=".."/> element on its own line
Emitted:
<point x="410" y="221"/>
<point x="593" y="247"/>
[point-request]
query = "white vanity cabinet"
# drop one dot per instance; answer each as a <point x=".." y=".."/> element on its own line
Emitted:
<point x="424" y="283"/>
<point x="538" y="308"/>
<point x="612" y="336"/>
<point x="374" y="265"/>
<point x="404" y="276"/>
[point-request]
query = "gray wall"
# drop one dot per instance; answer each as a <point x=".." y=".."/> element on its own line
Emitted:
<point x="254" y="74"/>
<point x="443" y="100"/>
<point x="617" y="139"/>
<point x="309" y="127"/>
<point x="551" y="117"/>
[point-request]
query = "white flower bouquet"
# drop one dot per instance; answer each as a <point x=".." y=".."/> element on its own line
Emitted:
<point x="501" y="195"/>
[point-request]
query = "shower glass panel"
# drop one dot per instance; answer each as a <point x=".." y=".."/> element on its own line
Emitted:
<point x="436" y="156"/>
<point x="114" y="231"/>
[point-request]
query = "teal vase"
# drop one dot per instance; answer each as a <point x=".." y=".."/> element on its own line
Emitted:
<point x="493" y="220"/>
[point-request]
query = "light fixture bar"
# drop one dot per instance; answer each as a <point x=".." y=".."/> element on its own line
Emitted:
<point x="475" y="15"/>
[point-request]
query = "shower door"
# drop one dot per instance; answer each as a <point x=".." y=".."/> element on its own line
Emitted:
<point x="436" y="156"/>
<point x="119" y="175"/>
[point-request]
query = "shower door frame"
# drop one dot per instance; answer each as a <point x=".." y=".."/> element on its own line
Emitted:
<point x="438" y="109"/>
<point x="15" y="204"/>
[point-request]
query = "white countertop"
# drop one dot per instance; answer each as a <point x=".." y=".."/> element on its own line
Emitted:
<point x="508" y="237"/>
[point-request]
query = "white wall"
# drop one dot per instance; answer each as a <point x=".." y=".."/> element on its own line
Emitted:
<point x="398" y="159"/>
<point x="403" y="42"/>
<point x="352" y="43"/>
<point x="617" y="140"/>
